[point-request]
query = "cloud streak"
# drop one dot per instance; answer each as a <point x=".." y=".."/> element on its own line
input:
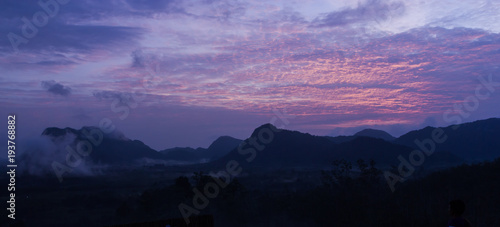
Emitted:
<point x="370" y="11"/>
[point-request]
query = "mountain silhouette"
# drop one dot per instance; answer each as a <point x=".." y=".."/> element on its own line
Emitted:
<point x="340" y="139"/>
<point x="287" y="149"/>
<point x="386" y="153"/>
<point x="280" y="148"/>
<point x="475" y="141"/>
<point x="220" y="147"/>
<point x="375" y="134"/>
<point x="114" y="148"/>
<point x="186" y="154"/>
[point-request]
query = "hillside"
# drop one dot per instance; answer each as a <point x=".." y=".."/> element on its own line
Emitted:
<point x="475" y="141"/>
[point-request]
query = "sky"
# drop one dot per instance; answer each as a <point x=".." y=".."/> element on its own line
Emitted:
<point x="177" y="73"/>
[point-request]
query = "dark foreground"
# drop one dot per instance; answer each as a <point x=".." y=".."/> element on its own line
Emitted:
<point x="287" y="197"/>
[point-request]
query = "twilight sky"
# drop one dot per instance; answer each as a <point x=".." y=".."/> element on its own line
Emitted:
<point x="182" y="73"/>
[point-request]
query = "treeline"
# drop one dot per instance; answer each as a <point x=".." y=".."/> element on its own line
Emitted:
<point x="352" y="194"/>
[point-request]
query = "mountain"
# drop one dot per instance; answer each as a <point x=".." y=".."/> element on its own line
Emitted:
<point x="293" y="149"/>
<point x="113" y="148"/>
<point x="475" y="141"/>
<point x="269" y="147"/>
<point x="340" y="139"/>
<point x="220" y="147"/>
<point x="376" y="134"/>
<point x="186" y="154"/>
<point x="386" y="153"/>
<point x="285" y="149"/>
<point x="381" y="151"/>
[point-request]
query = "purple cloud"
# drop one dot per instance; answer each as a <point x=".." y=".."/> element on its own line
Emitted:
<point x="56" y="88"/>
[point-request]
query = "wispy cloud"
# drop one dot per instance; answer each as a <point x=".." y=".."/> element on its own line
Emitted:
<point x="369" y="11"/>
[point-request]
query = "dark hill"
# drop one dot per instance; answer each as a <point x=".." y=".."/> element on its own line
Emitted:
<point x="475" y="141"/>
<point x="114" y="148"/>
<point x="285" y="149"/>
<point x="374" y="133"/>
<point x="295" y="149"/>
<point x="386" y="153"/>
<point x="220" y="147"/>
<point x="379" y="134"/>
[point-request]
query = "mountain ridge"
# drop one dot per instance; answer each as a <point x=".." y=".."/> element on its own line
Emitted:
<point x="375" y="133"/>
<point x="473" y="141"/>
<point x="286" y="148"/>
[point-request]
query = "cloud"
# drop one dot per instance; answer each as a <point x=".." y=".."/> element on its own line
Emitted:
<point x="317" y="61"/>
<point x="107" y="95"/>
<point x="55" y="62"/>
<point x="155" y="6"/>
<point x="371" y="11"/>
<point x="72" y="36"/>
<point x="61" y="46"/>
<point x="137" y="59"/>
<point x="62" y="37"/>
<point x="93" y="9"/>
<point x="409" y="74"/>
<point x="130" y="99"/>
<point x="39" y="153"/>
<point x="56" y="88"/>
